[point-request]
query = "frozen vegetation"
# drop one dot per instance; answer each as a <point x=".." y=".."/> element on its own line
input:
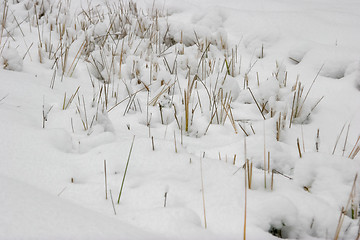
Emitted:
<point x="172" y="119"/>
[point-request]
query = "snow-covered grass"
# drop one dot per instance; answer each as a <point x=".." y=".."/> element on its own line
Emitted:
<point x="215" y="120"/>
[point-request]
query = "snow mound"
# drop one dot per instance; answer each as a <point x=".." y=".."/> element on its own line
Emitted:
<point x="298" y="51"/>
<point x="333" y="61"/>
<point x="11" y="60"/>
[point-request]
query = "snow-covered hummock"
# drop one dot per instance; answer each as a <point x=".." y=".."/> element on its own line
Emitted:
<point x="240" y="64"/>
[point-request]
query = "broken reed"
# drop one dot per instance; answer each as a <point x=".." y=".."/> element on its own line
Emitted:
<point x="248" y="166"/>
<point x="248" y="170"/>
<point x="298" y="147"/>
<point x="45" y="113"/>
<point x="152" y="143"/>
<point x="165" y="198"/>
<point x="317" y="142"/>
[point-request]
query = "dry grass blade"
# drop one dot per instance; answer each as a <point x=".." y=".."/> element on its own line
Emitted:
<point x="126" y="98"/>
<point x="245" y="202"/>
<point x="276" y="171"/>
<point x="298" y="147"/>
<point x="202" y="191"/>
<point x="105" y="179"/>
<point x="307" y="94"/>
<point x="243" y="129"/>
<point x="126" y="167"/>
<point x="66" y="105"/>
<point x="4" y="97"/>
<point x="355" y="148"/>
<point x="344" y="210"/>
<point x="157" y="96"/>
<point x="112" y="202"/>
<point x="257" y="104"/>
<point x="338" y="138"/>
<point x="187" y="97"/>
<point x="346" y="138"/>
<point x="3" y="20"/>
<point x="76" y="59"/>
<point x="27" y="51"/>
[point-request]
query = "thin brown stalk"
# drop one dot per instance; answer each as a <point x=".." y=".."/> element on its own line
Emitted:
<point x="4" y="97"/>
<point x="86" y="121"/>
<point x="311" y="87"/>
<point x="3" y="21"/>
<point x="175" y="142"/>
<point x="317" y="143"/>
<point x="344" y="210"/>
<point x="105" y="179"/>
<point x="126" y="167"/>
<point x="27" y="51"/>
<point x="302" y="136"/>
<point x="352" y="151"/>
<point x="76" y="59"/>
<point x="268" y="162"/>
<point x="264" y="158"/>
<point x="252" y="95"/>
<point x="72" y="126"/>
<point x="346" y="138"/>
<point x="338" y="138"/>
<point x="357" y="150"/>
<point x="298" y="146"/>
<point x="276" y="171"/>
<point x="70" y="100"/>
<point x="243" y="129"/>
<point x="245" y="202"/>
<point x="202" y="191"/>
<point x="112" y="202"/>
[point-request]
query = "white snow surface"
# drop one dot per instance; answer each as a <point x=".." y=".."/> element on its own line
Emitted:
<point x="58" y="124"/>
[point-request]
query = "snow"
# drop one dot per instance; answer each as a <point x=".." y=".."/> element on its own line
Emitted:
<point x="79" y="80"/>
<point x="30" y="213"/>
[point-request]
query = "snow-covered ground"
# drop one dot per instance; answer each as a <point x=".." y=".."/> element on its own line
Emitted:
<point x="234" y="119"/>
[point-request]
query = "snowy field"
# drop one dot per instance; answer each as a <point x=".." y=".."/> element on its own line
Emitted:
<point x="234" y="119"/>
